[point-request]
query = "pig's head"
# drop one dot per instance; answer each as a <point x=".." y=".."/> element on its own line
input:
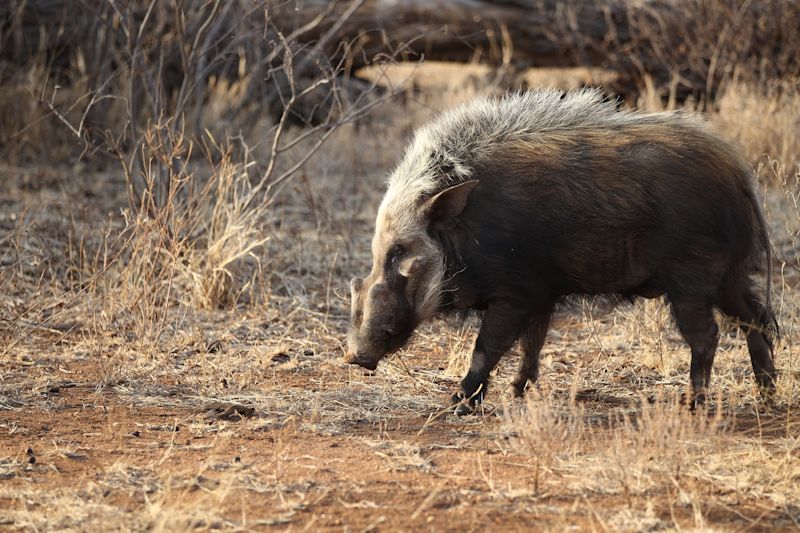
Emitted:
<point x="408" y="267"/>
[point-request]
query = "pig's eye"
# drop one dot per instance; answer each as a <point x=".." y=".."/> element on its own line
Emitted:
<point x="394" y="254"/>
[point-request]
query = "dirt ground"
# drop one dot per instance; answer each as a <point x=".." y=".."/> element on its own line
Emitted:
<point x="78" y="454"/>
<point x="404" y="472"/>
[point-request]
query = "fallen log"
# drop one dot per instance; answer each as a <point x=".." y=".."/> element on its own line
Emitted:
<point x="687" y="47"/>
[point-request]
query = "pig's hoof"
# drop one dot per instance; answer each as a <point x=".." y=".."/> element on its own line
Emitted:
<point x="463" y="408"/>
<point x="697" y="402"/>
<point x="767" y="394"/>
<point x="460" y="405"/>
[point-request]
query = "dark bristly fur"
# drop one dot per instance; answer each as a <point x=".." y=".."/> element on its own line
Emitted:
<point x="568" y="197"/>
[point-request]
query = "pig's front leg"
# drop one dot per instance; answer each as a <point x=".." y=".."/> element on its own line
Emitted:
<point x="503" y="323"/>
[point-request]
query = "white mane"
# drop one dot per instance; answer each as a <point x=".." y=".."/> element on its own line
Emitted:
<point x="458" y="138"/>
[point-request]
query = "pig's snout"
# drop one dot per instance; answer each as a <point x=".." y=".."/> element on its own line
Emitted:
<point x="353" y="358"/>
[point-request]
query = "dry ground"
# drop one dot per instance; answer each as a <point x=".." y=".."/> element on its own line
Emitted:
<point x="123" y="412"/>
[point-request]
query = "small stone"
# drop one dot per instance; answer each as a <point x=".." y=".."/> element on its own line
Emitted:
<point x="280" y="357"/>
<point x="136" y="433"/>
<point x="32" y="460"/>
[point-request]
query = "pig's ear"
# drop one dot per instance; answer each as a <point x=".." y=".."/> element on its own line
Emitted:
<point x="444" y="208"/>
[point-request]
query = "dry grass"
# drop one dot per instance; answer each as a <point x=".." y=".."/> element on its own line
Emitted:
<point x="123" y="331"/>
<point x="764" y="121"/>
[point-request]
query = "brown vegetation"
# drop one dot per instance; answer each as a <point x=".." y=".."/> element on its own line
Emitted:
<point x="175" y="304"/>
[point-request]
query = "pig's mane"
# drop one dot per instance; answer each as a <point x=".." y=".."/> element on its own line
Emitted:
<point x="445" y="151"/>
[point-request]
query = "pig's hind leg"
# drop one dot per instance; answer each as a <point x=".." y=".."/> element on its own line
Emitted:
<point x="532" y="342"/>
<point x="695" y="319"/>
<point x="759" y="326"/>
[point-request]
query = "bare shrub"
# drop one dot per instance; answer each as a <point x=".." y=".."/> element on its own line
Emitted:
<point x="552" y="426"/>
<point x="172" y="91"/>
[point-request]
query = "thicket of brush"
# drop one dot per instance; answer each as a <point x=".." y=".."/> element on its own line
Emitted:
<point x="198" y="113"/>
